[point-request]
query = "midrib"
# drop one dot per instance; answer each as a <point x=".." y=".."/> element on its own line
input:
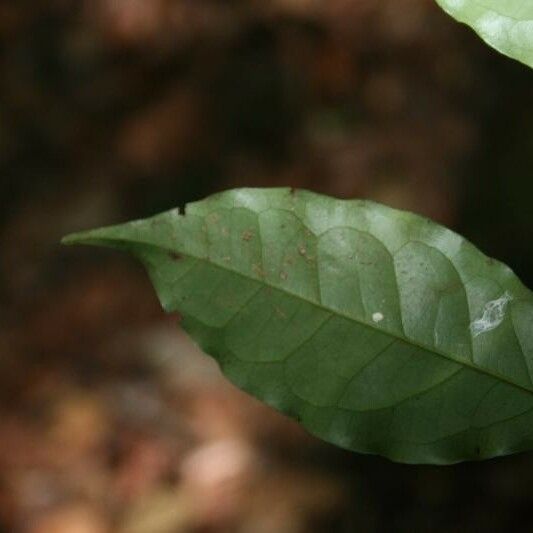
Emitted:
<point x="340" y="314"/>
<point x="99" y="237"/>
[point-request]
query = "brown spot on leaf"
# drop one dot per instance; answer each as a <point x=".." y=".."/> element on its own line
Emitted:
<point x="247" y="235"/>
<point x="258" y="271"/>
<point x="175" y="256"/>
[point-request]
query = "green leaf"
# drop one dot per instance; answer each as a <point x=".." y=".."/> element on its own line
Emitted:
<point x="379" y="330"/>
<point x="506" y="25"/>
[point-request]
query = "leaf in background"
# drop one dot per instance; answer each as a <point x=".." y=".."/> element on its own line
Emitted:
<point x="377" y="329"/>
<point x="506" y="25"/>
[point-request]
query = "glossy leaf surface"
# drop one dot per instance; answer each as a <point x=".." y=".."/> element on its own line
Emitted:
<point x="506" y="25"/>
<point x="379" y="330"/>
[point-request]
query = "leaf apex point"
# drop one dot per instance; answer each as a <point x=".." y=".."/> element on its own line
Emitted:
<point x="84" y="237"/>
<point x="70" y="239"/>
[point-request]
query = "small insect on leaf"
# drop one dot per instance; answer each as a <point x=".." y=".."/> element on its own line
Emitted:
<point x="380" y="331"/>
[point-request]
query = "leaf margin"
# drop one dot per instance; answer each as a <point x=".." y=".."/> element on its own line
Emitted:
<point x="101" y="236"/>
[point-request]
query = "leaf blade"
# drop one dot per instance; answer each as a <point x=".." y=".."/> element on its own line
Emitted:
<point x="506" y="25"/>
<point x="350" y="316"/>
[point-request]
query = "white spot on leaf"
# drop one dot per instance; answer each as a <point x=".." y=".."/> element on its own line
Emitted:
<point x="493" y="315"/>
<point x="377" y="317"/>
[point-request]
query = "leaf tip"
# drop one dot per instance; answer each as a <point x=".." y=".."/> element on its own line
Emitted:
<point x="98" y="237"/>
<point x="73" y="238"/>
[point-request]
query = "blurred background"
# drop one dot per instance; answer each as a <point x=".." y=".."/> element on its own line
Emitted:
<point x="110" y="418"/>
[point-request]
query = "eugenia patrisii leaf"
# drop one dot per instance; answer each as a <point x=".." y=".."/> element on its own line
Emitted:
<point x="377" y="329"/>
<point x="506" y="25"/>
